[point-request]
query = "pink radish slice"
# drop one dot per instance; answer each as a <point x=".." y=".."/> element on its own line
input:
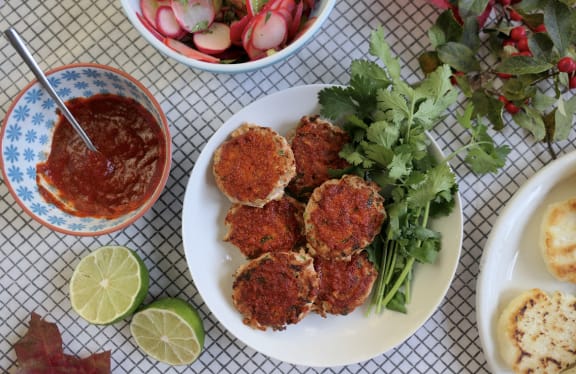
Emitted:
<point x="252" y="52"/>
<point x="270" y="31"/>
<point x="237" y="28"/>
<point x="194" y="15"/>
<point x="297" y="18"/>
<point x="150" y="27"/>
<point x="214" y="40"/>
<point x="187" y="51"/>
<point x="150" y="7"/>
<point x="167" y="24"/>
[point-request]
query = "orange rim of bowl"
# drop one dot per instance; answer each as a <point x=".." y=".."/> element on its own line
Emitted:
<point x="165" y="167"/>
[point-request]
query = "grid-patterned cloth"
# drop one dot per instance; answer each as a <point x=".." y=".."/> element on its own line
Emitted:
<point x="36" y="263"/>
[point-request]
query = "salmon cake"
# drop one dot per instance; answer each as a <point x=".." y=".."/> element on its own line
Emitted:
<point x="344" y="285"/>
<point x="254" y="166"/>
<point x="276" y="227"/>
<point x="316" y="144"/>
<point x="343" y="216"/>
<point x="275" y="289"/>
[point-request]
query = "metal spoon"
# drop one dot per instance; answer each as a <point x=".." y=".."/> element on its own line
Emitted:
<point x="20" y="47"/>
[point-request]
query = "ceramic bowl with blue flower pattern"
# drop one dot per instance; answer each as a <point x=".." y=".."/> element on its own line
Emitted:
<point x="26" y="136"/>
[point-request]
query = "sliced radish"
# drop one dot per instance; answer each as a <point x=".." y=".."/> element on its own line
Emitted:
<point x="188" y="51"/>
<point x="194" y="15"/>
<point x="237" y="28"/>
<point x="167" y="23"/>
<point x="214" y="40"/>
<point x="149" y="27"/>
<point x="253" y="53"/>
<point x="150" y="7"/>
<point x="270" y="31"/>
<point x="296" y="20"/>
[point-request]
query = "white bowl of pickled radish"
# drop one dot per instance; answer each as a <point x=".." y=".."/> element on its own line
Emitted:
<point x="228" y="36"/>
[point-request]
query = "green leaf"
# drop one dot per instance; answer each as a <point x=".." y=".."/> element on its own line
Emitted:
<point x="558" y="21"/>
<point x="532" y="121"/>
<point x="541" y="46"/>
<point x="563" y="118"/>
<point x="520" y="65"/>
<point x="483" y="161"/>
<point x="541" y="102"/>
<point x="429" y="61"/>
<point x="458" y="56"/>
<point x="336" y="102"/>
<point x="519" y="89"/>
<point x="489" y="107"/>
<point x="379" y="48"/>
<point x="471" y="34"/>
<point x="472" y="7"/>
<point x="445" y="29"/>
<point x="438" y="179"/>
<point x="400" y="165"/>
<point x="383" y="133"/>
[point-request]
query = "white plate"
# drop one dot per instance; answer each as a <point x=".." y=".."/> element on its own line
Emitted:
<point x="512" y="262"/>
<point x="315" y="341"/>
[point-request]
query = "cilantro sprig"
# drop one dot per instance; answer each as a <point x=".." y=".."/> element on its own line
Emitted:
<point x="388" y="120"/>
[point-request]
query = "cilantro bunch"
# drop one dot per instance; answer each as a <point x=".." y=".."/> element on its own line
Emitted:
<point x="529" y="76"/>
<point x="387" y="120"/>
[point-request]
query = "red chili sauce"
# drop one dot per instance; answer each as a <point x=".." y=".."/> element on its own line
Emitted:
<point x="117" y="179"/>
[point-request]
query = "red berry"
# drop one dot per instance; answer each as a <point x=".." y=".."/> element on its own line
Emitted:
<point x="503" y="99"/>
<point x="540" y="28"/>
<point x="504" y="75"/>
<point x="514" y="15"/>
<point x="572" y="82"/>
<point x="517" y="33"/>
<point x="511" y="108"/>
<point x="566" y="65"/>
<point x="522" y="45"/>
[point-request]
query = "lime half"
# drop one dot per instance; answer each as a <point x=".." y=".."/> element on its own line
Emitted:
<point x="108" y="285"/>
<point x="170" y="330"/>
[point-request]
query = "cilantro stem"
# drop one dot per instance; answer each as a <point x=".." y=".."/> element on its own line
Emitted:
<point x="396" y="286"/>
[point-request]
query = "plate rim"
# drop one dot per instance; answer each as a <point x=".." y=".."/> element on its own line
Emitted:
<point x="196" y="174"/>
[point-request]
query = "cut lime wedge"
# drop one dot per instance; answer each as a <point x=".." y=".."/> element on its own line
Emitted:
<point x="108" y="285"/>
<point x="170" y="330"/>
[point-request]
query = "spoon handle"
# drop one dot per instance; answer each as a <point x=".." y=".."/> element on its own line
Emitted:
<point x="20" y="47"/>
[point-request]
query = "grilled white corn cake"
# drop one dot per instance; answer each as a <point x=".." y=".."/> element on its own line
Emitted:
<point x="537" y="332"/>
<point x="558" y="240"/>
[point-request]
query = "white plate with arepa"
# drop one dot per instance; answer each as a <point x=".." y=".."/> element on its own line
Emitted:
<point x="314" y="341"/>
<point x="512" y="262"/>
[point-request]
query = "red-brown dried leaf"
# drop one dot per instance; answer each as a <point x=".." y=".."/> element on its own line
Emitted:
<point x="40" y="352"/>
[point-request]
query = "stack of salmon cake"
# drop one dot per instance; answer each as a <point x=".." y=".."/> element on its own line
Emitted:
<point x="302" y="232"/>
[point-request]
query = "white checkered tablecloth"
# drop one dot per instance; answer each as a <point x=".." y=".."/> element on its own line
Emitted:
<point x="36" y="263"/>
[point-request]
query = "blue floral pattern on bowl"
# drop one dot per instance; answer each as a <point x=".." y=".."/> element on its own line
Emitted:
<point x="26" y="138"/>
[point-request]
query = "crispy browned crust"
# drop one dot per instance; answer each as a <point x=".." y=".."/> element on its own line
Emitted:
<point x="537" y="333"/>
<point x="343" y="216"/>
<point x="275" y="290"/>
<point x="558" y="240"/>
<point x="344" y="285"/>
<point x="316" y="144"/>
<point x="254" y="166"/>
<point x="276" y="227"/>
